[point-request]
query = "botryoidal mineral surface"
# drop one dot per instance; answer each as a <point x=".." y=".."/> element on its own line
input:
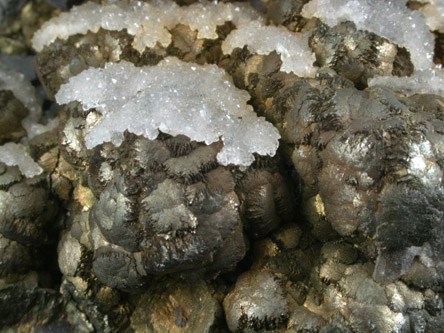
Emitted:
<point x="216" y="166"/>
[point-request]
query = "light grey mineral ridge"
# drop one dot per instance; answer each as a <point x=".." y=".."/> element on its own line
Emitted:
<point x="256" y="299"/>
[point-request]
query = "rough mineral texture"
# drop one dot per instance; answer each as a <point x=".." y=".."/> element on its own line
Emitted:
<point x="358" y="55"/>
<point x="264" y="166"/>
<point x="166" y="96"/>
<point x="366" y="161"/>
<point x="148" y="22"/>
<point x="293" y="48"/>
<point x="13" y="154"/>
<point x="12" y="114"/>
<point x="410" y="30"/>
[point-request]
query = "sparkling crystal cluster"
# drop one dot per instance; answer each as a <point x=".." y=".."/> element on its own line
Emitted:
<point x="24" y="92"/>
<point x="176" y="98"/>
<point x="147" y="22"/>
<point x="293" y="47"/>
<point x="14" y="154"/>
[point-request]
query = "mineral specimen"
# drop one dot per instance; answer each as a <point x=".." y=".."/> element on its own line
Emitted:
<point x="22" y="89"/>
<point x="371" y="161"/>
<point x="293" y="47"/>
<point x="333" y="130"/>
<point x="13" y="154"/>
<point x="166" y="97"/>
<point x="256" y="303"/>
<point x="11" y="116"/>
<point x="388" y="19"/>
<point x="25" y="93"/>
<point x="26" y="213"/>
<point x="433" y="11"/>
<point x="426" y="81"/>
<point x="341" y="230"/>
<point x="167" y="207"/>
<point x="358" y="55"/>
<point x="148" y="22"/>
<point x="413" y="34"/>
<point x="174" y="304"/>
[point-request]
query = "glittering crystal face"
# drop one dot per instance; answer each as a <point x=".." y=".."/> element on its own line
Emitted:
<point x="176" y="98"/>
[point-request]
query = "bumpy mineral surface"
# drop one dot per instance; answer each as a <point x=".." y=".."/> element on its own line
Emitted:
<point x="214" y="166"/>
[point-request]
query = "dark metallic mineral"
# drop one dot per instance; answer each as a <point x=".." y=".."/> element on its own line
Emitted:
<point x="358" y="55"/>
<point x="27" y="216"/>
<point x="370" y="161"/>
<point x="166" y="206"/>
<point x="286" y="13"/>
<point x="177" y="306"/>
<point x="163" y="206"/>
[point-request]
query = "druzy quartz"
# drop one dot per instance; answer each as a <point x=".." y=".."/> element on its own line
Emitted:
<point x="24" y="91"/>
<point x="147" y="22"/>
<point x="293" y="48"/>
<point x="176" y="98"/>
<point x="14" y="154"/>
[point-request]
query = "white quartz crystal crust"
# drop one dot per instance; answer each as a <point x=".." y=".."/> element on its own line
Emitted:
<point x="23" y="90"/>
<point x="148" y="22"/>
<point x="293" y="48"/>
<point x="388" y="19"/>
<point x="427" y="81"/>
<point x="176" y="98"/>
<point x="14" y="154"/>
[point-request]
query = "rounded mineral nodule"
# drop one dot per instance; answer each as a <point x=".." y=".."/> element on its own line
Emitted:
<point x="168" y="207"/>
<point x="256" y="303"/>
<point x="26" y="213"/>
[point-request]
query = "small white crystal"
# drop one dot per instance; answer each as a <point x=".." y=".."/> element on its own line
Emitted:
<point x="147" y="22"/>
<point x="176" y="98"/>
<point x="388" y="19"/>
<point x="14" y="154"/>
<point x="24" y="91"/>
<point x="426" y="81"/>
<point x="293" y="48"/>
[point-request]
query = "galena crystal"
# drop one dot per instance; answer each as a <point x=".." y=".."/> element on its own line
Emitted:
<point x="176" y="98"/>
<point x="148" y="22"/>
